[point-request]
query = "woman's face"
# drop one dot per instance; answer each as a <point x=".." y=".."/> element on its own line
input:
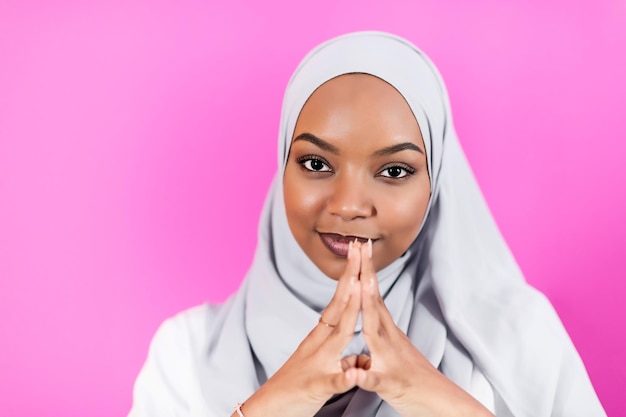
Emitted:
<point x="356" y="169"/>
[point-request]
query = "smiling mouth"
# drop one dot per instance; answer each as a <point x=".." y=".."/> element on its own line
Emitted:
<point x="339" y="244"/>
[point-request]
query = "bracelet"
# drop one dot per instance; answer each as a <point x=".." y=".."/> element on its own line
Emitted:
<point x="238" y="409"/>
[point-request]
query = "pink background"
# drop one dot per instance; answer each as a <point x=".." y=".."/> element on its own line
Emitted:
<point x="137" y="141"/>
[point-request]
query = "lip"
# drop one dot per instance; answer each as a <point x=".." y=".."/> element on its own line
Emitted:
<point x="339" y="244"/>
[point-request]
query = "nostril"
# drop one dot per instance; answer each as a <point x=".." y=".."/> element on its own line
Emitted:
<point x="350" y="206"/>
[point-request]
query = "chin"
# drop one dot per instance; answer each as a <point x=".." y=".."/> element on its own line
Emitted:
<point x="334" y="273"/>
<point x="332" y="268"/>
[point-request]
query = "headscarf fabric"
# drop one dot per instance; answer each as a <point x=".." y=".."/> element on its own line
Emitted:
<point x="457" y="292"/>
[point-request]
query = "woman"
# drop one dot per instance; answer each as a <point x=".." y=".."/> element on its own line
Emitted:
<point x="381" y="285"/>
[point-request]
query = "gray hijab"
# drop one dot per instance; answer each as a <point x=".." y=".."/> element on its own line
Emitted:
<point x="457" y="292"/>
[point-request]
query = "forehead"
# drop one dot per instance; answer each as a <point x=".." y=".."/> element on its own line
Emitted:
<point x="354" y="88"/>
<point x="358" y="104"/>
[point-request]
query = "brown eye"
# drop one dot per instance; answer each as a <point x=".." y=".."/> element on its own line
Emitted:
<point x="397" y="172"/>
<point x="315" y="165"/>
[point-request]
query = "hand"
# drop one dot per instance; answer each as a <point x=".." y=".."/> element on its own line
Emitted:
<point x="316" y="371"/>
<point x="396" y="370"/>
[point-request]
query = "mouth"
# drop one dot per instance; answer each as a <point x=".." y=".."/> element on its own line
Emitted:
<point x="339" y="244"/>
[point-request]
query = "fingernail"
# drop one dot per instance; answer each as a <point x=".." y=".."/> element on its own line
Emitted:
<point x="369" y="247"/>
<point x="349" y="250"/>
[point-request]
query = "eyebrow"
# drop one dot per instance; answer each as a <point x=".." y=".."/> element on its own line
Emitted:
<point x="398" y="148"/>
<point x="320" y="143"/>
<point x="388" y="150"/>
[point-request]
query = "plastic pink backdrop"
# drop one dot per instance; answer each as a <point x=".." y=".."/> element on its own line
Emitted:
<point x="137" y="141"/>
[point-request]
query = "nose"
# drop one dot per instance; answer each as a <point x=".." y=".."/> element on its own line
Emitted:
<point x="350" y="198"/>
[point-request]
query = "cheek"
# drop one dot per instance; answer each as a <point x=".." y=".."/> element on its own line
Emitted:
<point x="406" y="211"/>
<point x="303" y="203"/>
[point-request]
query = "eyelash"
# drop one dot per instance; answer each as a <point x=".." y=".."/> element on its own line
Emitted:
<point x="308" y="158"/>
<point x="408" y="171"/>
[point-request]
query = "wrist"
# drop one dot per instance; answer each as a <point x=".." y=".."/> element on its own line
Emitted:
<point x="271" y="401"/>
<point x="441" y="397"/>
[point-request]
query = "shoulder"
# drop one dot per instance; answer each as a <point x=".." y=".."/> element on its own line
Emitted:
<point x="166" y="383"/>
<point x="193" y="321"/>
<point x="180" y="336"/>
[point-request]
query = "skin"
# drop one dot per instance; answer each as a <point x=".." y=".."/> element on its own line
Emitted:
<point x="353" y="190"/>
<point x="358" y="115"/>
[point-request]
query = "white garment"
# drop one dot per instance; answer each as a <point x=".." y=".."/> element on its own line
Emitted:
<point x="457" y="291"/>
<point x="170" y="382"/>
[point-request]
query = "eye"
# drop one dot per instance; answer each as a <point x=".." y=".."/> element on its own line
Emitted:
<point x="314" y="164"/>
<point x="397" y="171"/>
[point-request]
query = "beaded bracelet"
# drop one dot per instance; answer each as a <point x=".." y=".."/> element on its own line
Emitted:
<point x="238" y="409"/>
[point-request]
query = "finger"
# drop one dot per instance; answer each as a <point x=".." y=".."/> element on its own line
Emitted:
<point x="368" y="272"/>
<point x="367" y="380"/>
<point x="338" y="303"/>
<point x="379" y="336"/>
<point x="349" y="362"/>
<point x="363" y="361"/>
<point x="374" y="333"/>
<point x="370" y="296"/>
<point x="343" y="381"/>
<point x="344" y="332"/>
<point x="356" y="361"/>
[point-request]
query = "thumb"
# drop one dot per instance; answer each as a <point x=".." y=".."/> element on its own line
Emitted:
<point x="367" y="380"/>
<point x="341" y="382"/>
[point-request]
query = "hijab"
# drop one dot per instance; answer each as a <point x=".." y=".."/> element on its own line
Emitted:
<point x="457" y="292"/>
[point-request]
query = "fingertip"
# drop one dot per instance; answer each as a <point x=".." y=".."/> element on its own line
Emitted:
<point x="368" y="271"/>
<point x="355" y="259"/>
<point x="366" y="380"/>
<point x="366" y="257"/>
<point x="351" y="377"/>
